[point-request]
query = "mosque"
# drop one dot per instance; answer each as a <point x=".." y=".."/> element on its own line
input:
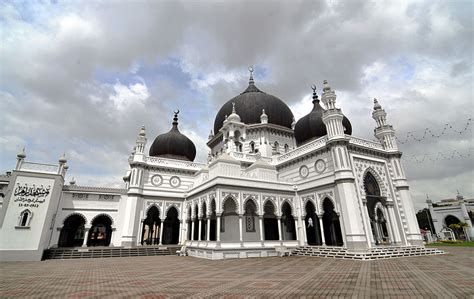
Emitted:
<point x="270" y="183"/>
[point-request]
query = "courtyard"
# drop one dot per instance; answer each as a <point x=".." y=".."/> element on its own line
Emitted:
<point x="443" y="276"/>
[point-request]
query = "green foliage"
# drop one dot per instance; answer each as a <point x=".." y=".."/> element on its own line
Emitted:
<point x="452" y="243"/>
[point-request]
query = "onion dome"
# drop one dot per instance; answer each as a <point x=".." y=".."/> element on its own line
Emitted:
<point x="311" y="126"/>
<point x="250" y="103"/>
<point x="233" y="116"/>
<point x="63" y="159"/>
<point x="173" y="144"/>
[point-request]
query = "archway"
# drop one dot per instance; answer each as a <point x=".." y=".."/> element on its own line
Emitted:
<point x="229" y="221"/>
<point x="331" y="225"/>
<point x="374" y="199"/>
<point x="450" y="219"/>
<point x="72" y="232"/>
<point x="151" y="227"/>
<point x="213" y="221"/>
<point x="196" y="223"/>
<point x="100" y="233"/>
<point x="270" y="221"/>
<point x="171" y="227"/>
<point x="204" y="222"/>
<point x="287" y="223"/>
<point x="313" y="232"/>
<point x="251" y="233"/>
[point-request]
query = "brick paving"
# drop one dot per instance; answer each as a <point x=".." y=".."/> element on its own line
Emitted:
<point x="443" y="276"/>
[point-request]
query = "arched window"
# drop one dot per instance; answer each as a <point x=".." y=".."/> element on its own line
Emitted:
<point x="287" y="148"/>
<point x="276" y="146"/>
<point x="24" y="219"/>
<point x="252" y="147"/>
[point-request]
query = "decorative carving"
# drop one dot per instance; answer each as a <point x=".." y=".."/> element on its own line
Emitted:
<point x="366" y="143"/>
<point x="377" y="169"/>
<point x="299" y="151"/>
<point x="156" y="180"/>
<point x="320" y="166"/>
<point x="175" y="181"/>
<point x="304" y="171"/>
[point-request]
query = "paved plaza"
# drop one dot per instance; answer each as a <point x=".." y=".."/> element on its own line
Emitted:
<point x="444" y="276"/>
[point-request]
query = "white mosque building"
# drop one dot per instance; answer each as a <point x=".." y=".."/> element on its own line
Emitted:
<point x="270" y="182"/>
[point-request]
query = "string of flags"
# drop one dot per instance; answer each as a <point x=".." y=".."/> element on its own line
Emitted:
<point x="429" y="133"/>
<point x="441" y="156"/>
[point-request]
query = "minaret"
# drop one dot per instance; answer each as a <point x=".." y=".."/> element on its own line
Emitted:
<point x="383" y="132"/>
<point x="62" y="165"/>
<point x="333" y="116"/>
<point x="140" y="143"/>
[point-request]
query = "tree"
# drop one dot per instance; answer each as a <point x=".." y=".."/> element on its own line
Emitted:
<point x="424" y="219"/>
<point x="458" y="229"/>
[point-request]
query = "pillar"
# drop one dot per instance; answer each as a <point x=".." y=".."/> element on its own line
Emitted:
<point x="180" y="232"/>
<point x="86" y="236"/>
<point x="389" y="226"/>
<point x="279" y="229"/>
<point x="192" y="229"/>
<point x="366" y="220"/>
<point x="323" y="239"/>
<point x="218" y="228"/>
<point x="297" y="230"/>
<point x="161" y="231"/>
<point x="240" y="229"/>
<point x="305" y="237"/>
<point x="260" y="221"/>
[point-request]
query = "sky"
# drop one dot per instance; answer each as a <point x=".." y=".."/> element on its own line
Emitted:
<point x="82" y="77"/>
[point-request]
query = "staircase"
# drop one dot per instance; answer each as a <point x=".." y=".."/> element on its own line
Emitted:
<point x="103" y="252"/>
<point x="371" y="254"/>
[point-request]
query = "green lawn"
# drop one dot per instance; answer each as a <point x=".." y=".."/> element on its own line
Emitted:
<point x="459" y="244"/>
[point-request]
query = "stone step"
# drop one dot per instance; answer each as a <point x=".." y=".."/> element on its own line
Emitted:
<point x="78" y="253"/>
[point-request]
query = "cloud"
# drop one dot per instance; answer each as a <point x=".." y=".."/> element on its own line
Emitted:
<point x="83" y="77"/>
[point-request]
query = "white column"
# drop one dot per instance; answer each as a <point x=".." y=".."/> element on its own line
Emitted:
<point x="240" y="229"/>
<point x="208" y="228"/>
<point x="260" y="221"/>
<point x="161" y="231"/>
<point x="305" y="237"/>
<point x="389" y="226"/>
<point x="395" y="226"/>
<point x="279" y="228"/>
<point x="192" y="229"/>
<point x="86" y="236"/>
<point x="366" y="220"/>
<point x="321" y="228"/>
<point x="218" y="228"/>
<point x="180" y="232"/>
<point x="297" y="230"/>
<point x="200" y="227"/>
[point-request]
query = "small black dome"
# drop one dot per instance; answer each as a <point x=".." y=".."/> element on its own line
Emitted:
<point x="173" y="144"/>
<point x="311" y="126"/>
<point x="249" y="105"/>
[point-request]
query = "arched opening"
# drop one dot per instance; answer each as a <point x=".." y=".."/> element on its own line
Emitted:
<point x="332" y="227"/>
<point x="204" y="222"/>
<point x="25" y="217"/>
<point x="213" y="232"/>
<point x="252" y="147"/>
<point x="250" y="221"/>
<point x="450" y="219"/>
<point x="151" y="227"/>
<point x="229" y="221"/>
<point x="196" y="223"/>
<point x="270" y="221"/>
<point x="287" y="148"/>
<point x="171" y="227"/>
<point x="190" y="220"/>
<point x="374" y="199"/>
<point x="288" y="223"/>
<point x="276" y="147"/>
<point x="100" y="233"/>
<point x="313" y="231"/>
<point x="72" y="232"/>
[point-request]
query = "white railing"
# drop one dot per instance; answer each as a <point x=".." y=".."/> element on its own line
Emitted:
<point x="249" y="157"/>
<point x="311" y="146"/>
<point x="366" y="143"/>
<point x="173" y="163"/>
<point x="39" y="167"/>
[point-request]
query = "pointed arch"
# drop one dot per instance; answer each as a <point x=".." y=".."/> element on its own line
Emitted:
<point x="321" y="203"/>
<point x="290" y="203"/>
<point x="73" y="231"/>
<point x="237" y="206"/>
<point x="273" y="202"/>
<point x="75" y="214"/>
<point x="173" y="205"/>
<point x="251" y="198"/>
<point x="305" y="202"/>
<point x="378" y="179"/>
<point x="153" y="205"/>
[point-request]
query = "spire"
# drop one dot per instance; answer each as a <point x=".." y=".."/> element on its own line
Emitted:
<point x="326" y="86"/>
<point x="62" y="159"/>
<point x="329" y="96"/>
<point x="233" y="116"/>
<point x="377" y="106"/>
<point x="459" y="196"/>
<point x="233" y="108"/>
<point x="293" y="123"/>
<point x="142" y="131"/>
<point x="264" y="117"/>
<point x="21" y="154"/>
<point x="251" y="82"/>
<point x="211" y="135"/>
<point x="315" y="95"/>
<point x="175" y="119"/>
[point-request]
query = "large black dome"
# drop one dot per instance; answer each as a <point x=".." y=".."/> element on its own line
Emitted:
<point x="249" y="105"/>
<point x="311" y="126"/>
<point x="173" y="144"/>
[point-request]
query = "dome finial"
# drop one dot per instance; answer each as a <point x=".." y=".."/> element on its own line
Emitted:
<point x="233" y="107"/>
<point x="315" y="95"/>
<point x="175" y="118"/>
<point x="251" y="75"/>
<point x="377" y="106"/>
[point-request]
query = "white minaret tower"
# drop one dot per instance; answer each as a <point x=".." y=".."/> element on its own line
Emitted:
<point x="384" y="132"/>
<point x="20" y="158"/>
<point x="333" y="116"/>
